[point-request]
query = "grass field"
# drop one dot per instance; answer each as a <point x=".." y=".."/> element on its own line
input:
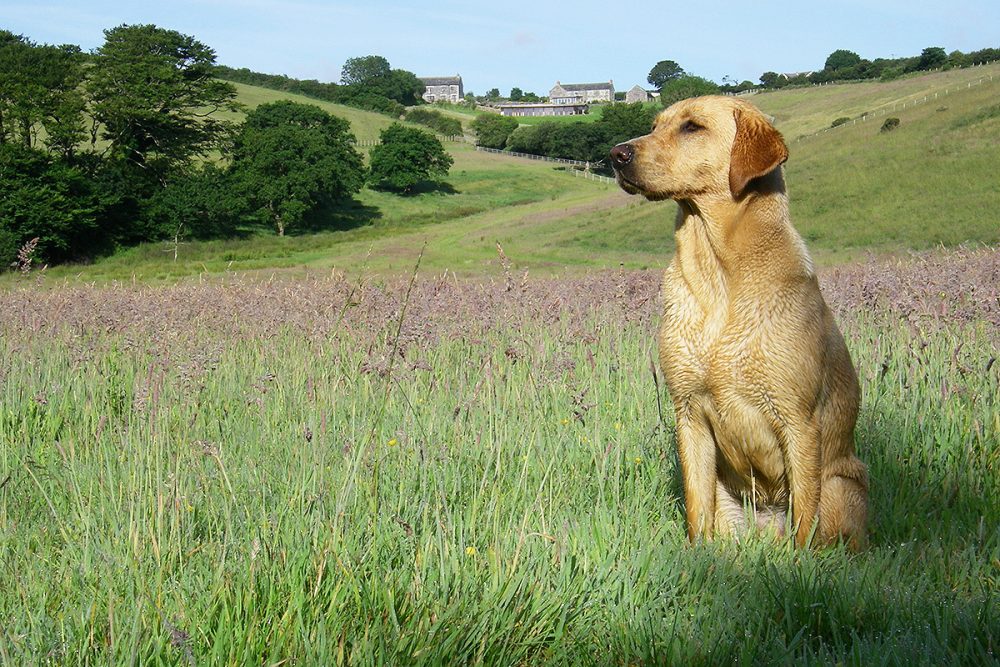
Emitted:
<point x="803" y="111"/>
<point x="347" y="471"/>
<point x="281" y="451"/>
<point x="853" y="191"/>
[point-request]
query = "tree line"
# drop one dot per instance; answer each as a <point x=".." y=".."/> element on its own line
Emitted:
<point x="587" y="142"/>
<point x="846" y="65"/>
<point x="135" y="142"/>
<point x="367" y="82"/>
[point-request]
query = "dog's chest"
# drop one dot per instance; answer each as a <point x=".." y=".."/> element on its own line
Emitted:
<point x="708" y="362"/>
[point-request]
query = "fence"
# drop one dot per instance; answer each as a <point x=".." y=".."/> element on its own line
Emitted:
<point x="529" y="156"/>
<point x="369" y="143"/>
<point x="902" y="105"/>
<point x="579" y="173"/>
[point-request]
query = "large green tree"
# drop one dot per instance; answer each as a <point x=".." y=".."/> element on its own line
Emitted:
<point x="931" y="58"/>
<point x="290" y="160"/>
<point x="406" y="157"/>
<point x="841" y="59"/>
<point x="364" y="70"/>
<point x="373" y="75"/>
<point x="154" y="94"/>
<point x="685" y="87"/>
<point x="492" y="130"/>
<point x="43" y="197"/>
<point x="663" y="72"/>
<point x="40" y="94"/>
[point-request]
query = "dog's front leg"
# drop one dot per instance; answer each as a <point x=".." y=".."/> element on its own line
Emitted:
<point x="696" y="447"/>
<point x="803" y="462"/>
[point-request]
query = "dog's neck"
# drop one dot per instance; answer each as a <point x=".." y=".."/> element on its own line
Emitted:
<point x="722" y="241"/>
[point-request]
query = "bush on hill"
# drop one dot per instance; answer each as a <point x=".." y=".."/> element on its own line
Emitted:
<point x="406" y="157"/>
<point x="437" y="121"/>
<point x="493" y="130"/>
<point x="587" y="142"/>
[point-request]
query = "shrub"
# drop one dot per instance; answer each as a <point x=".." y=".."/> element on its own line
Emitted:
<point x="889" y="125"/>
<point x="839" y="121"/>
<point x="435" y="120"/>
<point x="493" y="130"/>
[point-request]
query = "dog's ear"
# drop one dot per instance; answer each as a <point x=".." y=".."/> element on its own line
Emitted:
<point x="757" y="150"/>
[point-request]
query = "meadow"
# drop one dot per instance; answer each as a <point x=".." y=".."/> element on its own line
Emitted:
<point x="354" y="469"/>
<point x="853" y="191"/>
<point x="390" y="441"/>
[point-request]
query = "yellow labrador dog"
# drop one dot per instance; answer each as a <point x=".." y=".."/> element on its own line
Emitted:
<point x="763" y="387"/>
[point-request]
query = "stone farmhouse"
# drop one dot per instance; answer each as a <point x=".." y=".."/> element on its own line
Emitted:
<point x="637" y="94"/>
<point x="443" y="88"/>
<point x="582" y="93"/>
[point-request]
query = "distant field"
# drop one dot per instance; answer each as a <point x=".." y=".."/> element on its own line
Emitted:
<point x="365" y="125"/>
<point x="801" y="111"/>
<point x="853" y="191"/>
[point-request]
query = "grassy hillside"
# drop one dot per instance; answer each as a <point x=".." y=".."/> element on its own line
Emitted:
<point x="853" y="191"/>
<point x="802" y="111"/>
<point x="365" y="124"/>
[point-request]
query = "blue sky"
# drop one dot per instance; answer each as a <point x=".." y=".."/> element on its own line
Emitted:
<point x="505" y="43"/>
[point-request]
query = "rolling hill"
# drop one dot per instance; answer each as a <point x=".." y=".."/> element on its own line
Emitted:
<point x="854" y="190"/>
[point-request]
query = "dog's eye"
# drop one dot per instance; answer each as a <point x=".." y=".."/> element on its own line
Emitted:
<point x="690" y="127"/>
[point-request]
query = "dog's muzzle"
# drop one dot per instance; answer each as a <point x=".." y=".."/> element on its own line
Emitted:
<point x="621" y="155"/>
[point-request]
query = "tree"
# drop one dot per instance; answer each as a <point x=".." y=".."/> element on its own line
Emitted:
<point x="403" y="87"/>
<point x="492" y="130"/>
<point x="493" y="94"/>
<point x="45" y="198"/>
<point x="405" y="157"/>
<point x="202" y="204"/>
<point x="931" y="58"/>
<point x="40" y="90"/>
<point x="685" y="87"/>
<point x="626" y="121"/>
<point x="516" y="94"/>
<point x="662" y="72"/>
<point x="154" y="94"/>
<point x="291" y="159"/>
<point x="841" y="59"/>
<point x="364" y="70"/>
<point x="771" y="80"/>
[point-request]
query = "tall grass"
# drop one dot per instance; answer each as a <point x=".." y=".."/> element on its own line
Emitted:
<point x="258" y="472"/>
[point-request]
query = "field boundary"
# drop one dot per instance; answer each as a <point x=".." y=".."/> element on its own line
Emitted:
<point x="585" y="172"/>
<point x="370" y="143"/>
<point x="896" y="106"/>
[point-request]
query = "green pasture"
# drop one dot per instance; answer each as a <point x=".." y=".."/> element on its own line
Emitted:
<point x="853" y="191"/>
<point x="803" y="111"/>
<point x="508" y="498"/>
<point x="365" y="125"/>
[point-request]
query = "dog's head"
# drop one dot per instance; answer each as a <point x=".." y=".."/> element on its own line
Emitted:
<point x="701" y="146"/>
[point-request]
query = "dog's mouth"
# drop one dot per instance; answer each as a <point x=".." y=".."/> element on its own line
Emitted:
<point x="634" y="188"/>
<point x="627" y="185"/>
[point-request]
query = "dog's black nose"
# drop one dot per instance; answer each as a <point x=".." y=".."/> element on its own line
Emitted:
<point x="622" y="154"/>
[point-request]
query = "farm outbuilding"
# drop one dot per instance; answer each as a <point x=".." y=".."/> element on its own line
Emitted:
<point x="543" y="109"/>
<point x="637" y="94"/>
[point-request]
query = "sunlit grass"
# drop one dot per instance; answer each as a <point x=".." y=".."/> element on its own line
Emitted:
<point x="506" y="495"/>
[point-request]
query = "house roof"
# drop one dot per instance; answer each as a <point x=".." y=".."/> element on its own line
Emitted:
<point x="574" y="87"/>
<point x="441" y="80"/>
